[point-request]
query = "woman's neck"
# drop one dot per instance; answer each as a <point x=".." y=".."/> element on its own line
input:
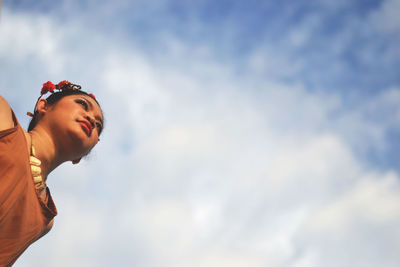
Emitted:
<point x="45" y="150"/>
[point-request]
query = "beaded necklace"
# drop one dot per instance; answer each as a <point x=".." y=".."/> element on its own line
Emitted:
<point x="36" y="170"/>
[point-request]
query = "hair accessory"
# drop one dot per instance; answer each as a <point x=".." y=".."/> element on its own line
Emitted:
<point x="47" y="87"/>
<point x="61" y="86"/>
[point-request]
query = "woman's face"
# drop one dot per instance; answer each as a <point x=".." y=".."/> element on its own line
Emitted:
<point x="75" y="123"/>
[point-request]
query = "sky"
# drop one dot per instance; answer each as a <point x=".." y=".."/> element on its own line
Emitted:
<point x="237" y="133"/>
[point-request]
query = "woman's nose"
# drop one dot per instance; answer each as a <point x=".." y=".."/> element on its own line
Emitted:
<point x="91" y="121"/>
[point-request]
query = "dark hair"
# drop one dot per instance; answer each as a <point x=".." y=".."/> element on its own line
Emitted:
<point x="54" y="98"/>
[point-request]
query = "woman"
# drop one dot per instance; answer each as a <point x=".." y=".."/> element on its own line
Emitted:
<point x="64" y="127"/>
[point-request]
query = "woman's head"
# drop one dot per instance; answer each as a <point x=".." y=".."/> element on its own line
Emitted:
<point x="53" y="99"/>
<point x="73" y="118"/>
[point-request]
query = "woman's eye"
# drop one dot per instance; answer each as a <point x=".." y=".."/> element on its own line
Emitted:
<point x="83" y="103"/>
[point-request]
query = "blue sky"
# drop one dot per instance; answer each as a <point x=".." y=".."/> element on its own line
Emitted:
<point x="319" y="34"/>
<point x="239" y="133"/>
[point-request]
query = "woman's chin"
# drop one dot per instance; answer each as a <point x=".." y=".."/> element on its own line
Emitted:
<point x="78" y="142"/>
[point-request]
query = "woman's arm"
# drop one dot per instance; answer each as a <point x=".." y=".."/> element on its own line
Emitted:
<point x="6" y="120"/>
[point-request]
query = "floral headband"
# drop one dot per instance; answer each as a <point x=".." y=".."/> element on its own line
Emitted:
<point x="61" y="86"/>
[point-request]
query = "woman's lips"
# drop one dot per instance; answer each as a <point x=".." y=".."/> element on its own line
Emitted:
<point x="86" y="127"/>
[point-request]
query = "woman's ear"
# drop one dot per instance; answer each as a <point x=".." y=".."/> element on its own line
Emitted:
<point x="42" y="106"/>
<point x="76" y="161"/>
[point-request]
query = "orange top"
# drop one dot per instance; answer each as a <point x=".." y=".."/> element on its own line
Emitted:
<point x="25" y="215"/>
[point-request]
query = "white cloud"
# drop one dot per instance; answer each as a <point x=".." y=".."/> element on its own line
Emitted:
<point x="373" y="200"/>
<point x="359" y="227"/>
<point x="36" y="39"/>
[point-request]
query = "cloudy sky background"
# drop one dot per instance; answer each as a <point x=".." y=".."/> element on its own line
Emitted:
<point x="238" y="133"/>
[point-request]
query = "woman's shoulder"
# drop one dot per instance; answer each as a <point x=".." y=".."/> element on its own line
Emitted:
<point x="6" y="118"/>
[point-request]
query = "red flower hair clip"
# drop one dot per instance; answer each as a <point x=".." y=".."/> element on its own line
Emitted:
<point x="63" y="85"/>
<point x="47" y="87"/>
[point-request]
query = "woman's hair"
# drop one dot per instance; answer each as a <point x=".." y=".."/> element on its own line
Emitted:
<point x="54" y="98"/>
